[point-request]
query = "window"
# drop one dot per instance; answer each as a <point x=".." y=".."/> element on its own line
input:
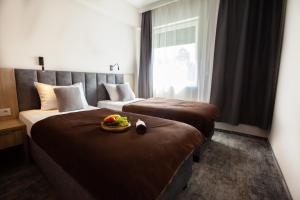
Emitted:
<point x="175" y="58"/>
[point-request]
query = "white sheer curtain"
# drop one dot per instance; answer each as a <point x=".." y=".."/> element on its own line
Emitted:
<point x="183" y="48"/>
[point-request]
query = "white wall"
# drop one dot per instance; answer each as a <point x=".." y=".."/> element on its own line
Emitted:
<point x="78" y="35"/>
<point x="285" y="134"/>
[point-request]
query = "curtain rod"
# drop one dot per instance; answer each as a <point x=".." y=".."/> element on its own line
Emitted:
<point x="156" y="5"/>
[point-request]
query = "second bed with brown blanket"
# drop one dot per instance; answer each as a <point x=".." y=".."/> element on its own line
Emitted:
<point x="117" y="165"/>
<point x="200" y="115"/>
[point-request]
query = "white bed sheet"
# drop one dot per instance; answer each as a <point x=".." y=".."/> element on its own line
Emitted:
<point x="116" y="105"/>
<point x="30" y="117"/>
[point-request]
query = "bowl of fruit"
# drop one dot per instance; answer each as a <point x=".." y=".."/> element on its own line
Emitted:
<point x="115" y="123"/>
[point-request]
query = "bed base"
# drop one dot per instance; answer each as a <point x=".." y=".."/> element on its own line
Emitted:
<point x="67" y="187"/>
<point x="199" y="151"/>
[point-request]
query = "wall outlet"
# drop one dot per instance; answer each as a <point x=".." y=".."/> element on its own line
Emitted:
<point x="5" y="112"/>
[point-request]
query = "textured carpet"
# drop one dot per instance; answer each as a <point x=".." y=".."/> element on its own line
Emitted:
<point x="232" y="167"/>
<point x="21" y="181"/>
<point x="236" y="167"/>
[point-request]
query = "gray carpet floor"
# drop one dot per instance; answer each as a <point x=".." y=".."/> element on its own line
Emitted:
<point x="233" y="167"/>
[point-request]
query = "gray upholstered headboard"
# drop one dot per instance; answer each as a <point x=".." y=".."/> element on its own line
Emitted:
<point x="28" y="98"/>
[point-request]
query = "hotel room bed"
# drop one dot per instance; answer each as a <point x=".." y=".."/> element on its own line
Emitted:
<point x="112" y="165"/>
<point x="200" y="115"/>
<point x="84" y="162"/>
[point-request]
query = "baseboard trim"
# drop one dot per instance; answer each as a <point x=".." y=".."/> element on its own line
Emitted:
<point x="243" y="129"/>
<point x="240" y="133"/>
<point x="280" y="171"/>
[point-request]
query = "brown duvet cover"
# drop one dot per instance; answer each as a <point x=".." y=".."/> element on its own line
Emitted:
<point x="200" y="115"/>
<point x="117" y="165"/>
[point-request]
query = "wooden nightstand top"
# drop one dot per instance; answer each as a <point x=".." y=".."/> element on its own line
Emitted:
<point x="11" y="124"/>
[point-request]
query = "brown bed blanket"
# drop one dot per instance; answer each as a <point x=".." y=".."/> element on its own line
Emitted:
<point x="200" y="115"/>
<point x="117" y="165"/>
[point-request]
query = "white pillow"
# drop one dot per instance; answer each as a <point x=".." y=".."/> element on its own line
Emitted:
<point x="125" y="92"/>
<point x="82" y="96"/>
<point x="112" y="91"/>
<point x="48" y="97"/>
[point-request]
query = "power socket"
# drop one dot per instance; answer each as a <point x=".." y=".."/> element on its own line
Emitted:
<point x="5" y="112"/>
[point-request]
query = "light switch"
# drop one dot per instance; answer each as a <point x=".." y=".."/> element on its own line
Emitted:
<point x="5" y="112"/>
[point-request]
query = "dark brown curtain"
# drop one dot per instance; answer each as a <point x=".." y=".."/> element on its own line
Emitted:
<point x="247" y="58"/>
<point x="145" y="85"/>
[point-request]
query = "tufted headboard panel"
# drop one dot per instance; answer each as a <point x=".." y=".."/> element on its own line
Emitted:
<point x="28" y="97"/>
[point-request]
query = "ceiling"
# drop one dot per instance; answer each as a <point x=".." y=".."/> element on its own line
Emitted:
<point x="141" y="3"/>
